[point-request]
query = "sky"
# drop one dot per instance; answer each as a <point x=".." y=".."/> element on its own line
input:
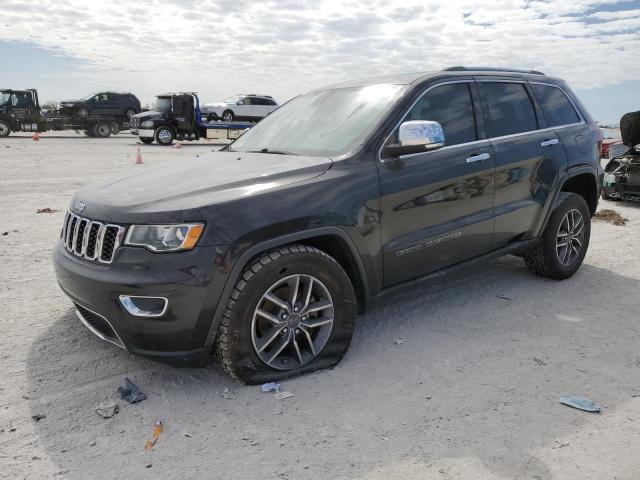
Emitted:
<point x="218" y="48"/>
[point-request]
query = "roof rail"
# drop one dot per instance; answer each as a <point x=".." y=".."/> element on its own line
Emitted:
<point x="460" y="68"/>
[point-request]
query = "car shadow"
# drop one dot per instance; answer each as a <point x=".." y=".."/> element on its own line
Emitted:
<point x="471" y="367"/>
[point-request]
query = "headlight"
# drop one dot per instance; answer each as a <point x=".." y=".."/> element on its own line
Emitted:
<point x="147" y="124"/>
<point x="164" y="238"/>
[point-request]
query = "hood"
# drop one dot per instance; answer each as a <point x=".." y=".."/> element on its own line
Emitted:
<point x="72" y="101"/>
<point x="149" y="114"/>
<point x="164" y="192"/>
<point x="630" y="129"/>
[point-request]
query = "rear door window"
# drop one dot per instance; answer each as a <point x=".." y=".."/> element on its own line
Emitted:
<point x="557" y="108"/>
<point x="507" y="107"/>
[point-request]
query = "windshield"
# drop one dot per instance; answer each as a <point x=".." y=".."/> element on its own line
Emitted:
<point x="4" y="97"/>
<point x="88" y="97"/>
<point x="324" y="123"/>
<point x="163" y="104"/>
<point x="231" y="100"/>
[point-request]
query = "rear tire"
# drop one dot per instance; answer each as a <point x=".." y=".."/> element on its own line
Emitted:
<point x="146" y="140"/>
<point x="101" y="130"/>
<point x="302" y="340"/>
<point x="5" y="128"/>
<point x="164" y="135"/>
<point x="564" y="242"/>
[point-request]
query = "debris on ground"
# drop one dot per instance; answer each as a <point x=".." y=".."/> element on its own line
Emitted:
<point x="268" y="387"/>
<point x="5" y="233"/>
<point x="561" y="444"/>
<point x="580" y="403"/>
<point x="611" y="216"/>
<point x="38" y="416"/>
<point x="539" y="361"/>
<point x="107" y="409"/>
<point x="399" y="340"/>
<point x="131" y="392"/>
<point x="155" y="434"/>
<point x="228" y="394"/>
<point x="46" y="210"/>
<point x="93" y="443"/>
<point x="283" y="395"/>
<point x="503" y="297"/>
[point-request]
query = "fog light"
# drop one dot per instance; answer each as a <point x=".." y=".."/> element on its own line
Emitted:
<point x="144" y="306"/>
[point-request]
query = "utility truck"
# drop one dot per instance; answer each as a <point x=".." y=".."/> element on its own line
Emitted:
<point x="20" y="112"/>
<point x="177" y="116"/>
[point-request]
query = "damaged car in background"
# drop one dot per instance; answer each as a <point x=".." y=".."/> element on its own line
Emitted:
<point x="622" y="173"/>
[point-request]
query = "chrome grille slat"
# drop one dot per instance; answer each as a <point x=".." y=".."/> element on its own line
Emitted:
<point x="85" y="238"/>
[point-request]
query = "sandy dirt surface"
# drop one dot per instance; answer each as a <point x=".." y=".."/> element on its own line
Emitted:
<point x="471" y="393"/>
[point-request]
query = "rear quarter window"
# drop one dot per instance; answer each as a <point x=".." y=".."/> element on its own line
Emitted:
<point x="557" y="108"/>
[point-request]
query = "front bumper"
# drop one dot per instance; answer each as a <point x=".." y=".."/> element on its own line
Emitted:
<point x="143" y="132"/>
<point x="192" y="282"/>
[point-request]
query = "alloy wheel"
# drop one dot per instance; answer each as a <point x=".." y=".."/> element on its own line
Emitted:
<point x="570" y="237"/>
<point x="292" y="322"/>
<point x="4" y="129"/>
<point x="164" y="135"/>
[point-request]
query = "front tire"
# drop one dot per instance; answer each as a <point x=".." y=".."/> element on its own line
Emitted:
<point x="5" y="128"/>
<point x="292" y="311"/>
<point x="564" y="242"/>
<point x="164" y="135"/>
<point x="228" y="116"/>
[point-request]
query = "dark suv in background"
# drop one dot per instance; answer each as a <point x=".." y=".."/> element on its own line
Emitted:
<point x="102" y="103"/>
<point x="265" y="252"/>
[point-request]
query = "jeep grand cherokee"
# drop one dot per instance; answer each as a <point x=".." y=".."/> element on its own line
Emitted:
<point x="266" y="251"/>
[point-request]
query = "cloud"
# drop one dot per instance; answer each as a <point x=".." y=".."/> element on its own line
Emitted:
<point x="285" y="47"/>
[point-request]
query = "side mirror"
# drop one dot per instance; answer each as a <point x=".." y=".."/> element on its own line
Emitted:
<point x="416" y="136"/>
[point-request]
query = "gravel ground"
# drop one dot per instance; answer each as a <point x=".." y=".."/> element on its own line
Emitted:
<point x="471" y="393"/>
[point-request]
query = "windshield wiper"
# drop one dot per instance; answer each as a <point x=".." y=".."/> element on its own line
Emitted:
<point x="274" y="152"/>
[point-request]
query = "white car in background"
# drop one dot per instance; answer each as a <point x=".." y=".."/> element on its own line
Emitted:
<point x="240" y="107"/>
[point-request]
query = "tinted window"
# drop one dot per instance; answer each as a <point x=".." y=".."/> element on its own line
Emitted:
<point x="557" y="108"/>
<point x="508" y="108"/>
<point x="451" y="106"/>
<point x="258" y="101"/>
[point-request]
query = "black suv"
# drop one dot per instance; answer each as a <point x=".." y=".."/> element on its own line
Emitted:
<point x="102" y="103"/>
<point x="265" y="252"/>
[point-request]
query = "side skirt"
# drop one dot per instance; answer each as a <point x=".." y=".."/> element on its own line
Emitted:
<point x="387" y="294"/>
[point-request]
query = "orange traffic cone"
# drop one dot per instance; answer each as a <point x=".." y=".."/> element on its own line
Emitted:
<point x="178" y="145"/>
<point x="139" y="157"/>
<point x="36" y="137"/>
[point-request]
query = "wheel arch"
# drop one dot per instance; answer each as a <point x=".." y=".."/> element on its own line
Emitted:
<point x="332" y="240"/>
<point x="584" y="184"/>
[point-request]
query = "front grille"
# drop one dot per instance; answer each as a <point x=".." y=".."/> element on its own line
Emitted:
<point x="98" y="325"/>
<point x="90" y="239"/>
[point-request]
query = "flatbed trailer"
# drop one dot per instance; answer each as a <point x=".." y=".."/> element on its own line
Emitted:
<point x="20" y="112"/>
<point x="177" y="116"/>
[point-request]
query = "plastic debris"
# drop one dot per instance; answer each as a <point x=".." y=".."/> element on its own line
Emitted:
<point x="38" y="416"/>
<point x="107" y="409"/>
<point x="561" y="444"/>
<point x="46" y="210"/>
<point x="268" y="387"/>
<point x="130" y="392"/>
<point x="539" y="361"/>
<point x="399" y="340"/>
<point x="580" y="403"/>
<point x="155" y="434"/>
<point x="283" y="395"/>
<point x="228" y="394"/>
<point x="503" y="297"/>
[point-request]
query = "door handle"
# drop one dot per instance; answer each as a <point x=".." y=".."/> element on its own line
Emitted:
<point x="478" y="158"/>
<point x="551" y="141"/>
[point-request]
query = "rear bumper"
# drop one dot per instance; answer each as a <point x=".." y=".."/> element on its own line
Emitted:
<point x="190" y="281"/>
